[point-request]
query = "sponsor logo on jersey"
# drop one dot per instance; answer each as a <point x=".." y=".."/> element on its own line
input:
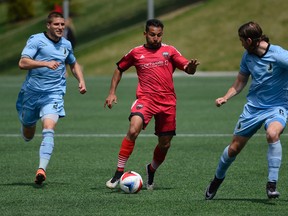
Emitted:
<point x="154" y="64"/>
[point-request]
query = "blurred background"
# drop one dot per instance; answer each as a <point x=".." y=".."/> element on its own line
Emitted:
<point x="104" y="30"/>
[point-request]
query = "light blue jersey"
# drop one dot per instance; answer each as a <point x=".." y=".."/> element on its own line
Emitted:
<point x="40" y="48"/>
<point x="269" y="87"/>
<point x="267" y="100"/>
<point x="43" y="90"/>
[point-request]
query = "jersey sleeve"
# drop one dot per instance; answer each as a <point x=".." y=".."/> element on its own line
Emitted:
<point x="243" y="67"/>
<point x="179" y="61"/>
<point x="126" y="62"/>
<point x="31" y="47"/>
<point x="71" y="59"/>
<point x="282" y="57"/>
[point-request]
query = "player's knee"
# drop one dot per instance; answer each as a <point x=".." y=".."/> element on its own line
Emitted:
<point x="28" y="138"/>
<point x="133" y="133"/>
<point x="233" y="151"/>
<point x="28" y="133"/>
<point x="272" y="136"/>
<point x="164" y="144"/>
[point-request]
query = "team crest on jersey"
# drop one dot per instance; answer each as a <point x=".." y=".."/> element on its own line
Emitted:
<point x="139" y="106"/>
<point x="166" y="55"/>
<point x="65" y="51"/>
<point x="270" y="68"/>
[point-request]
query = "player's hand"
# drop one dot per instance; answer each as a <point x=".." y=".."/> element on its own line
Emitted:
<point x="82" y="88"/>
<point x="220" y="101"/>
<point x="191" y="67"/>
<point x="110" y="100"/>
<point x="53" y="65"/>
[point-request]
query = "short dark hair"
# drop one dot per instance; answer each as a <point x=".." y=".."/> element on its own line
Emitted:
<point x="52" y="15"/>
<point x="253" y="31"/>
<point x="153" y="22"/>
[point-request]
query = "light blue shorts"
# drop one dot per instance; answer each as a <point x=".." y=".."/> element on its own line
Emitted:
<point x="31" y="106"/>
<point x="252" y="119"/>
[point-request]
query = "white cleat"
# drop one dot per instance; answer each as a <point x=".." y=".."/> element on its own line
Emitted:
<point x="112" y="183"/>
<point x="150" y="187"/>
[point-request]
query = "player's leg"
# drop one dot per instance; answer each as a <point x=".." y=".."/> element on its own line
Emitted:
<point x="248" y="124"/>
<point x="49" y="122"/>
<point x="228" y="156"/>
<point x="126" y="149"/>
<point x="165" y="126"/>
<point x="28" y="132"/>
<point x="159" y="156"/>
<point x="28" y="115"/>
<point x="274" y="127"/>
<point x="52" y="108"/>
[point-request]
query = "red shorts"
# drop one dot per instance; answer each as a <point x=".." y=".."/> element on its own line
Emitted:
<point x="164" y="115"/>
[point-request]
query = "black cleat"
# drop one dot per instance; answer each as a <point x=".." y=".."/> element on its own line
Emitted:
<point x="272" y="193"/>
<point x="150" y="178"/>
<point x="212" y="188"/>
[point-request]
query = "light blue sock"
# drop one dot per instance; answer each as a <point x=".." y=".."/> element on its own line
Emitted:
<point x="274" y="157"/>
<point x="46" y="147"/>
<point x="224" y="163"/>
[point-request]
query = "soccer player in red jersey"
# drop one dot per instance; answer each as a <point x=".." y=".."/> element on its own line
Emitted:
<point x="155" y="64"/>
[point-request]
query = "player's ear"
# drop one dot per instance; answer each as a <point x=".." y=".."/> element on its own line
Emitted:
<point x="249" y="41"/>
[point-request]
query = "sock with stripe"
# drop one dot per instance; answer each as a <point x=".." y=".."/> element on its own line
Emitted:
<point x="126" y="150"/>
<point x="274" y="157"/>
<point x="46" y="147"/>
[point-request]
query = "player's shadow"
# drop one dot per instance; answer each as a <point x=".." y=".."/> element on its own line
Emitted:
<point x="24" y="184"/>
<point x="261" y="201"/>
<point x="118" y="190"/>
<point x="30" y="184"/>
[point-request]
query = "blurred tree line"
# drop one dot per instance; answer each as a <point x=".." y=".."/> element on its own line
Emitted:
<point x="18" y="10"/>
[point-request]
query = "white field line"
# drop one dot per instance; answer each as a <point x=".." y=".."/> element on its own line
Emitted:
<point x="122" y="135"/>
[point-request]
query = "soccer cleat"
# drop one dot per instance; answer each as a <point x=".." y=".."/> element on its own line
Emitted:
<point x="150" y="178"/>
<point x="271" y="190"/>
<point x="212" y="188"/>
<point x="40" y="176"/>
<point x="114" y="181"/>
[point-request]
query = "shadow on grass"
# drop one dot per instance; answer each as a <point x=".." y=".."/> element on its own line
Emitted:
<point x="261" y="201"/>
<point x="31" y="184"/>
<point x="118" y="190"/>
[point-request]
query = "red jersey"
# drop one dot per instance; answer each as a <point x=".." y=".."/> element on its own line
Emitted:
<point x="155" y="68"/>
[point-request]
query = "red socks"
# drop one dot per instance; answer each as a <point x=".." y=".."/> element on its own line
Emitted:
<point x="158" y="157"/>
<point x="126" y="150"/>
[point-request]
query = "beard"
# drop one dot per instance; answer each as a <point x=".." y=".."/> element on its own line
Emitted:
<point x="155" y="45"/>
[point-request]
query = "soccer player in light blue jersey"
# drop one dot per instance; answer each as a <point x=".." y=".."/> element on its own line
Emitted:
<point x="41" y="95"/>
<point x="267" y="104"/>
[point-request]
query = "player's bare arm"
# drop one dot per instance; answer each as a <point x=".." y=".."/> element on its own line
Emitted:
<point x="235" y="89"/>
<point x="26" y="63"/>
<point x="78" y="74"/>
<point x="112" y="98"/>
<point x="191" y="67"/>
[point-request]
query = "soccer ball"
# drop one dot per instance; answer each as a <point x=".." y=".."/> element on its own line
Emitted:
<point x="131" y="182"/>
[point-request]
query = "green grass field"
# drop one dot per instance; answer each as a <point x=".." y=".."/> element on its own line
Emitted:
<point x="87" y="143"/>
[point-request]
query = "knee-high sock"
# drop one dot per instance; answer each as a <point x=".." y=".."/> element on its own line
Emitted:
<point x="274" y="157"/>
<point x="126" y="150"/>
<point x="224" y="163"/>
<point x="46" y="147"/>
<point x="158" y="157"/>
